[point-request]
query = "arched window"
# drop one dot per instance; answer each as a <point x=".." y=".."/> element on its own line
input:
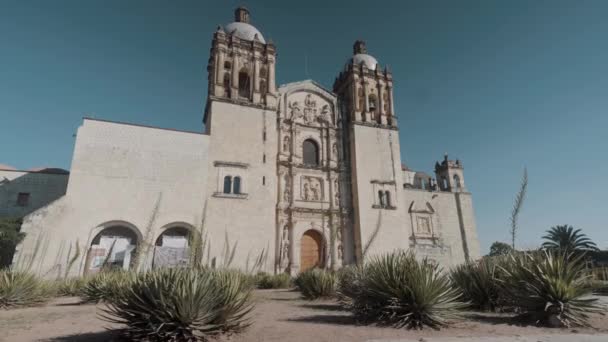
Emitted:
<point x="236" y="188"/>
<point x="244" y="84"/>
<point x="444" y="184"/>
<point x="227" y="83"/>
<point x="227" y="184"/>
<point x="381" y="199"/>
<point x="387" y="198"/>
<point x="227" y="65"/>
<point x="310" y="151"/>
<point x="372" y="102"/>
<point x="457" y="185"/>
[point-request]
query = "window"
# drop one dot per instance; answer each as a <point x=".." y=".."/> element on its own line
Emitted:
<point x="381" y="199"/>
<point x="310" y="152"/>
<point x="264" y="158"/>
<point x="444" y="184"/>
<point x="387" y="198"/>
<point x="372" y="103"/>
<point x="23" y="199"/>
<point x="227" y="83"/>
<point x="227" y="65"/>
<point x="263" y="180"/>
<point x="227" y="184"/>
<point x="244" y="84"/>
<point x="237" y="185"/>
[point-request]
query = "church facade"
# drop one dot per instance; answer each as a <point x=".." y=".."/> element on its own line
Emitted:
<point x="307" y="178"/>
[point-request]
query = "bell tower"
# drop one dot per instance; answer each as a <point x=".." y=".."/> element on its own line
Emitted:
<point x="241" y="67"/>
<point x="366" y="89"/>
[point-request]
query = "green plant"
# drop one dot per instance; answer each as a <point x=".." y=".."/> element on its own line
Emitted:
<point x="10" y="237"/>
<point x="500" y="248"/>
<point x="398" y="290"/>
<point x="564" y="238"/>
<point x="316" y="283"/>
<point x="71" y="287"/>
<point x="276" y="281"/>
<point x="23" y="289"/>
<point x="349" y="278"/>
<point x="478" y="283"/>
<point x="182" y="305"/>
<point x="517" y="205"/>
<point x="105" y="285"/>
<point x="550" y="288"/>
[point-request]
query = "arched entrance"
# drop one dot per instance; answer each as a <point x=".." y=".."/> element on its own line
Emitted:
<point x="172" y="248"/>
<point x="112" y="247"/>
<point x="311" y="250"/>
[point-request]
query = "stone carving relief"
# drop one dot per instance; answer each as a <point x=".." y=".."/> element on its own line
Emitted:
<point x="286" y="191"/>
<point x="334" y="151"/>
<point x="312" y="189"/>
<point x="284" y="259"/>
<point x="424" y="225"/>
<point x="286" y="144"/>
<point x="336" y="193"/>
<point x="339" y="241"/>
<point x="309" y="112"/>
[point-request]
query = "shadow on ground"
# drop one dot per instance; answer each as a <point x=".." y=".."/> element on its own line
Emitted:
<point x="324" y="307"/>
<point x="325" y="319"/>
<point x="102" y="336"/>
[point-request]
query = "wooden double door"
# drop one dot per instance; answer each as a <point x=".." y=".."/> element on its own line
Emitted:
<point x="311" y="250"/>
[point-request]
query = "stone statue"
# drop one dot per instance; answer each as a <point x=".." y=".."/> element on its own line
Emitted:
<point x="306" y="191"/>
<point x="315" y="192"/>
<point x="285" y="249"/>
<point x="286" y="195"/>
<point x="296" y="110"/>
<point x="286" y="144"/>
<point x="334" y="151"/>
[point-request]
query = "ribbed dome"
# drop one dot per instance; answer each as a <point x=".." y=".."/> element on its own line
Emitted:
<point x="369" y="61"/>
<point x="244" y="31"/>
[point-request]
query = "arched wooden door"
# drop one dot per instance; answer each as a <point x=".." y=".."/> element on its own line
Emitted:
<point x="311" y="250"/>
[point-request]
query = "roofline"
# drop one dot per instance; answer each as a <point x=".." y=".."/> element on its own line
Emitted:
<point x="67" y="172"/>
<point x="311" y="81"/>
<point x="145" y="126"/>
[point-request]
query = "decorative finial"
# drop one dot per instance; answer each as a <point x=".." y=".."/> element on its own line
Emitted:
<point x="241" y="15"/>
<point x="359" y="47"/>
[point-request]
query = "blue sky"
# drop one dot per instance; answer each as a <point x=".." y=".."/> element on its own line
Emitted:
<point x="498" y="84"/>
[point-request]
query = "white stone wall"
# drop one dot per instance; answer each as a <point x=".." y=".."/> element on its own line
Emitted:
<point x="145" y="178"/>
<point x="377" y="166"/>
<point x="42" y="187"/>
<point x="237" y="145"/>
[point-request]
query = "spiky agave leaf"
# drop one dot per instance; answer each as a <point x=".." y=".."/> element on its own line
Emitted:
<point x="23" y="289"/>
<point x="105" y="285"/>
<point x="182" y="305"/>
<point x="273" y="281"/>
<point x="550" y="288"/>
<point x="398" y="290"/>
<point x="316" y="283"/>
<point x="478" y="283"/>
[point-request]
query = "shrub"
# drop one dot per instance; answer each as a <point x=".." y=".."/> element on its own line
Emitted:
<point x="276" y="281"/>
<point x="182" y="305"/>
<point x="550" y="288"/>
<point x="349" y="278"/>
<point x="23" y="289"/>
<point x="400" y="291"/>
<point x="316" y="283"/>
<point x="478" y="283"/>
<point x="71" y="287"/>
<point x="104" y="285"/>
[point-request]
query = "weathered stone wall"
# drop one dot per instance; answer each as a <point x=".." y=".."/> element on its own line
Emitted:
<point x="42" y="187"/>
<point x="143" y="178"/>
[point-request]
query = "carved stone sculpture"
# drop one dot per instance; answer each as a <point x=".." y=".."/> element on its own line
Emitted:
<point x="286" y="144"/>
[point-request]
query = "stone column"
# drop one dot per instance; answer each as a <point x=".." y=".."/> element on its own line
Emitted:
<point x="391" y="108"/>
<point x="271" y="85"/>
<point x="366" y="112"/>
<point x="219" y="74"/>
<point x="234" y="85"/>
<point x="256" y="80"/>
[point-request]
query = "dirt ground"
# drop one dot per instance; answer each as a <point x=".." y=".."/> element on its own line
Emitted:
<point x="279" y="315"/>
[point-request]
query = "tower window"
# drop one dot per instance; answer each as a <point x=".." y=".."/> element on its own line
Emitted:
<point x="244" y="84"/>
<point x="372" y="103"/>
<point x="227" y="65"/>
<point x="387" y="198"/>
<point x="237" y="185"/>
<point x="23" y="199"/>
<point x="227" y="83"/>
<point x="381" y="199"/>
<point x="457" y="184"/>
<point x="263" y="180"/>
<point x="227" y="184"/>
<point x="310" y="151"/>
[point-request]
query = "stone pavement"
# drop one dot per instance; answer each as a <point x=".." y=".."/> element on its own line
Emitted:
<point x="532" y="338"/>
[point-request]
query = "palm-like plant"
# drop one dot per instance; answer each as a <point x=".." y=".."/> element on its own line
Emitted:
<point x="551" y="288"/>
<point x="316" y="283"/>
<point x="182" y="305"/>
<point x="566" y="239"/>
<point x="23" y="289"/>
<point x="398" y="290"/>
<point x="478" y="283"/>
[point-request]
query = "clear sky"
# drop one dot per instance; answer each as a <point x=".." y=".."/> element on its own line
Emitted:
<point x="498" y="84"/>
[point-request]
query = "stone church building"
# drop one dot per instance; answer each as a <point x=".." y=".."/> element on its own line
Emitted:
<point x="308" y="177"/>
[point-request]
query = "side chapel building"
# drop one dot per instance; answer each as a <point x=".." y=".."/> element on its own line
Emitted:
<point x="312" y="177"/>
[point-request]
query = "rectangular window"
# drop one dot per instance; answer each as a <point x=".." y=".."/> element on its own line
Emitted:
<point x="264" y="158"/>
<point x="23" y="199"/>
<point x="263" y="180"/>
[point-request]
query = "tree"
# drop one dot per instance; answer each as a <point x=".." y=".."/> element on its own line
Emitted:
<point x="564" y="238"/>
<point x="500" y="248"/>
<point x="10" y="236"/>
<point x="519" y="201"/>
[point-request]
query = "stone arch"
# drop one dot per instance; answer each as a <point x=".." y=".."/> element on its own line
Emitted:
<point x="172" y="245"/>
<point x="245" y="82"/>
<point x="113" y="244"/>
<point x="311" y="152"/>
<point x="311" y="87"/>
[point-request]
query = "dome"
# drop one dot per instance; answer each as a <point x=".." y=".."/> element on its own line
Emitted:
<point x="244" y="31"/>
<point x="369" y="61"/>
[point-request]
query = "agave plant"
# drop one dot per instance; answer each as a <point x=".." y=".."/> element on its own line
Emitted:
<point x="550" y="288"/>
<point x="105" y="285"/>
<point x="566" y="239"/>
<point x="72" y="287"/>
<point x="478" y="283"/>
<point x="276" y="281"/>
<point x="400" y="291"/>
<point x="182" y="305"/>
<point x="316" y="283"/>
<point x="23" y="289"/>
